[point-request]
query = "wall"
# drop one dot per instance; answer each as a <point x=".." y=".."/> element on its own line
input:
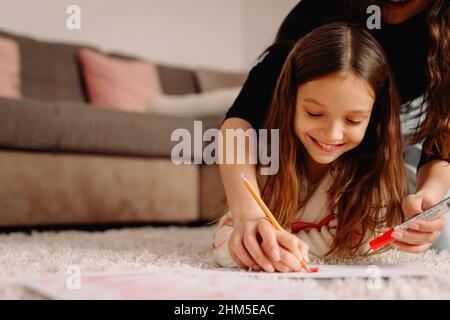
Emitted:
<point x="220" y="34"/>
<point x="262" y="19"/>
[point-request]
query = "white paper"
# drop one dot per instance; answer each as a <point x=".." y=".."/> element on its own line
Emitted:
<point x="355" y="271"/>
<point x="182" y="283"/>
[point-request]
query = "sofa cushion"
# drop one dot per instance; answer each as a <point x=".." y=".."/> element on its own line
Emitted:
<point x="175" y="80"/>
<point x="41" y="188"/>
<point x="77" y="127"/>
<point x="116" y="83"/>
<point x="9" y="68"/>
<point x="28" y="124"/>
<point x="213" y="202"/>
<point x="49" y="71"/>
<point x="209" y="80"/>
<point x="97" y="130"/>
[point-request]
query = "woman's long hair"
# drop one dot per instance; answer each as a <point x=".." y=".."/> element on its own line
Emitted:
<point x="435" y="128"/>
<point x="369" y="181"/>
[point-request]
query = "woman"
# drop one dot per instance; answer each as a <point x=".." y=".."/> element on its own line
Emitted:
<point x="415" y="37"/>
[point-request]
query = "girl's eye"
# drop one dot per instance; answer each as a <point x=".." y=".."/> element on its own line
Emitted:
<point x="354" y="123"/>
<point x="314" y="114"/>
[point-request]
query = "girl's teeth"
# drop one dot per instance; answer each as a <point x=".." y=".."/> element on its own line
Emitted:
<point x="326" y="146"/>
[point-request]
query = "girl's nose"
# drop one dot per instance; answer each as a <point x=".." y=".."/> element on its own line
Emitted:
<point x="334" y="133"/>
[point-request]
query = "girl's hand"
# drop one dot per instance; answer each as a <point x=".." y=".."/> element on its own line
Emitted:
<point x="254" y="243"/>
<point x="421" y="234"/>
<point x="244" y="246"/>
<point x="292" y="251"/>
<point x="319" y="241"/>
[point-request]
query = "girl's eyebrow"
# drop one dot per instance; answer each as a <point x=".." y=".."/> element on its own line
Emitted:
<point x="359" y="111"/>
<point x="310" y="100"/>
<point x="313" y="101"/>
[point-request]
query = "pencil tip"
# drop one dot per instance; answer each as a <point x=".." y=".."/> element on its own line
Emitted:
<point x="243" y="177"/>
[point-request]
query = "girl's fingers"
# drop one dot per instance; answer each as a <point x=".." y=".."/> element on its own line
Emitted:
<point x="281" y="267"/>
<point x="304" y="249"/>
<point x="291" y="260"/>
<point x="288" y="262"/>
<point x="269" y="238"/>
<point x="333" y="223"/>
<point x="410" y="248"/>
<point x="412" y="204"/>
<point x="437" y="224"/>
<point x="293" y="244"/>
<point x="253" y="247"/>
<point x="414" y="237"/>
<point x="237" y="260"/>
<point x="239" y="253"/>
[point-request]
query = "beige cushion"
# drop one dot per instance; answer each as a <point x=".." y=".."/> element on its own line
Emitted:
<point x="195" y="105"/>
<point x="209" y="80"/>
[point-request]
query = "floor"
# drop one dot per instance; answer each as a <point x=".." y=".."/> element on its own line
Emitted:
<point x="53" y="252"/>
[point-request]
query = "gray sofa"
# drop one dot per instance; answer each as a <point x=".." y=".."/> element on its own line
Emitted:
<point x="63" y="161"/>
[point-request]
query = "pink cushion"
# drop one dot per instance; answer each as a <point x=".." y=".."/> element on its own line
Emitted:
<point x="116" y="83"/>
<point x="9" y="69"/>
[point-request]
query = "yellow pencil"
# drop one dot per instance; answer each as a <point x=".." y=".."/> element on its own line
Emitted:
<point x="267" y="212"/>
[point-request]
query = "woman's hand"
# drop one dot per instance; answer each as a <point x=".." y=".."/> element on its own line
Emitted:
<point x="421" y="234"/>
<point x="254" y="243"/>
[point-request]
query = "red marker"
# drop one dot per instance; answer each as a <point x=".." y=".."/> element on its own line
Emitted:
<point x="438" y="209"/>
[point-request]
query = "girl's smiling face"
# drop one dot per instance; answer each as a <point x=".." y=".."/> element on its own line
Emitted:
<point x="332" y="114"/>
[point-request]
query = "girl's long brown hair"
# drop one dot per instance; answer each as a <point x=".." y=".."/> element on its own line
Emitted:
<point x="369" y="181"/>
<point x="435" y="128"/>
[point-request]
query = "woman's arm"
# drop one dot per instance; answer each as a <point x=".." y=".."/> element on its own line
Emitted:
<point x="433" y="178"/>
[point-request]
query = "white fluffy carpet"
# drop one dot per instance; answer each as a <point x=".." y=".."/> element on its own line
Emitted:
<point x="46" y="253"/>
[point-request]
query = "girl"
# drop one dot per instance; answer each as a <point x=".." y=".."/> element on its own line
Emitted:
<point x="415" y="37"/>
<point x="341" y="177"/>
